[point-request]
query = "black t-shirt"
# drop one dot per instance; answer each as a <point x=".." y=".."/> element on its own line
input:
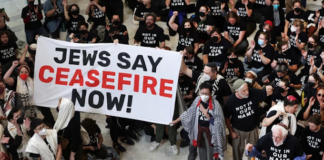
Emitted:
<point x="197" y="64"/>
<point x="215" y="8"/>
<point x="34" y="22"/>
<point x="310" y="53"/>
<point x="276" y="121"/>
<point x="72" y="24"/>
<point x="290" y="148"/>
<point x="220" y="88"/>
<point x="321" y="14"/>
<point x="8" y="53"/>
<point x="149" y="38"/>
<point x="259" y="4"/>
<point x="302" y="38"/>
<point x="321" y="37"/>
<point x="277" y="96"/>
<point x="217" y="51"/>
<point x="312" y="142"/>
<point x="229" y="72"/>
<point x="187" y="40"/>
<point x="242" y="10"/>
<point x="244" y="111"/>
<point x="202" y="26"/>
<point x="89" y="38"/>
<point x="97" y="16"/>
<point x="142" y="10"/>
<point x="186" y="85"/>
<point x="202" y="119"/>
<point x="290" y="17"/>
<point x="94" y="137"/>
<point x="267" y="51"/>
<point x="290" y="57"/>
<point x="273" y="39"/>
<point x="292" y="78"/>
<point x="178" y="5"/>
<point x="234" y="30"/>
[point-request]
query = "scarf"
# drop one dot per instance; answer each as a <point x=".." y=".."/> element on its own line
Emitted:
<point x="189" y="120"/>
<point x="25" y="90"/>
<point x="65" y="114"/>
<point x="25" y="138"/>
<point x="9" y="101"/>
<point x="2" y="148"/>
<point x="288" y="119"/>
<point x="37" y="145"/>
<point x="215" y="84"/>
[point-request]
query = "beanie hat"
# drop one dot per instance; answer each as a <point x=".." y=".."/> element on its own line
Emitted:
<point x="238" y="84"/>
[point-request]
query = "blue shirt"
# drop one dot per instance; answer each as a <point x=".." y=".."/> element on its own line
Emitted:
<point x="53" y="24"/>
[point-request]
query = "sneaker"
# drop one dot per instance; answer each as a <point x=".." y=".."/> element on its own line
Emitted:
<point x="175" y="150"/>
<point x="119" y="147"/>
<point x="127" y="141"/>
<point x="155" y="146"/>
<point x="184" y="143"/>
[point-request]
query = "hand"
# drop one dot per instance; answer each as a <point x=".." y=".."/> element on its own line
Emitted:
<point x="266" y="81"/>
<point x="26" y="47"/>
<point x="64" y="2"/>
<point x="296" y="39"/>
<point x="320" y="25"/>
<point x="249" y="147"/>
<point x="252" y="44"/>
<point x="234" y="135"/>
<point x="91" y="148"/>
<point x="99" y="146"/>
<point x="309" y="156"/>
<point x="317" y="13"/>
<point x="172" y="123"/>
<point x="55" y="6"/>
<point x="15" y="63"/>
<point x="279" y="113"/>
<point x="291" y="85"/>
<point x="209" y="28"/>
<point x="75" y="39"/>
<point x="311" y="102"/>
<point x="304" y="53"/>
<point x="116" y="41"/>
<point x="259" y="52"/>
<point x="195" y="24"/>
<point x="321" y="66"/>
<point x="286" y="61"/>
<point x="5" y="140"/>
<point x="175" y="13"/>
<point x="107" y="27"/>
<point x="231" y="2"/>
<point x="246" y="2"/>
<point x="93" y="3"/>
<point x="94" y="40"/>
<point x="36" y="10"/>
<point x="226" y="65"/>
<point x="236" y="70"/>
<point x="203" y="110"/>
<point x="125" y="33"/>
<point x="223" y="5"/>
<point x="27" y="123"/>
<point x="311" y="61"/>
<point x="305" y="100"/>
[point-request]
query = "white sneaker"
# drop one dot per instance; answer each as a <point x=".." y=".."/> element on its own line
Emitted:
<point x="154" y="146"/>
<point x="175" y="150"/>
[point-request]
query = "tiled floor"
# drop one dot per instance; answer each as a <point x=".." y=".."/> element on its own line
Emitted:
<point x="140" y="151"/>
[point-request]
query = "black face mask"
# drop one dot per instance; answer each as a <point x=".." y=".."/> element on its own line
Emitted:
<point x="202" y="14"/>
<point x="297" y="10"/>
<point x="75" y="12"/>
<point x="83" y="32"/>
<point x="309" y="45"/>
<point x="214" y="39"/>
<point x="285" y="52"/>
<point x="116" y="23"/>
<point x="57" y="109"/>
<point x="185" y="57"/>
<point x="20" y="120"/>
<point x="311" y="84"/>
<point x="233" y="59"/>
<point x="31" y="3"/>
<point x="281" y="90"/>
<point x="187" y="30"/>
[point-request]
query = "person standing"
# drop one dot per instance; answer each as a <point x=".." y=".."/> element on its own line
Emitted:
<point x="73" y="19"/>
<point x="240" y="111"/>
<point x="54" y="11"/>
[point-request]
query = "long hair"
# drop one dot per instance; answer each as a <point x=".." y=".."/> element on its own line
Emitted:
<point x="182" y="26"/>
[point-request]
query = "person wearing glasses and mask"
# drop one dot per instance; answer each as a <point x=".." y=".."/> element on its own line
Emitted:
<point x="315" y="105"/>
<point x="311" y="86"/>
<point x="73" y="19"/>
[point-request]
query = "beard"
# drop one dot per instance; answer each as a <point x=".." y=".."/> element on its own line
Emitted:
<point x="149" y="25"/>
<point x="243" y="96"/>
<point x="279" y="144"/>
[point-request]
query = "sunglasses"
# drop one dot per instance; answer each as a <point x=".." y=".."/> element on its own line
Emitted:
<point x="320" y="95"/>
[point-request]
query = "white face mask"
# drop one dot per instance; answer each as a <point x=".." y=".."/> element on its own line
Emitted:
<point x="204" y="98"/>
<point x="248" y="80"/>
<point x="264" y="30"/>
<point x="293" y="29"/>
<point x="42" y="132"/>
<point x="205" y="77"/>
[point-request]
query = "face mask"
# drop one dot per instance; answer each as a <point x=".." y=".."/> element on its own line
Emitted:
<point x="248" y="80"/>
<point x="23" y="76"/>
<point x="293" y="29"/>
<point x="20" y="120"/>
<point x="281" y="90"/>
<point x="83" y="32"/>
<point x="204" y="98"/>
<point x="276" y="6"/>
<point x="116" y="23"/>
<point x="297" y="10"/>
<point x="57" y="109"/>
<point x="264" y="30"/>
<point x="2" y="90"/>
<point x="311" y="84"/>
<point x="310" y="45"/>
<point x="260" y="42"/>
<point x="42" y="132"/>
<point x="205" y="77"/>
<point x="233" y="60"/>
<point x="31" y="3"/>
<point x="202" y="14"/>
<point x="214" y="39"/>
<point x="75" y="12"/>
<point x="185" y="57"/>
<point x="187" y="30"/>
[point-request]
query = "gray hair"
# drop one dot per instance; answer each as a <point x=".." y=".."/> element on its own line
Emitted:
<point x="276" y="127"/>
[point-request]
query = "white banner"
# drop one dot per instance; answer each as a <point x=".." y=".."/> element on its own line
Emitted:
<point x="117" y="80"/>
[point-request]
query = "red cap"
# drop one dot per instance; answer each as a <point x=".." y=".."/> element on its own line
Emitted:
<point x="268" y="22"/>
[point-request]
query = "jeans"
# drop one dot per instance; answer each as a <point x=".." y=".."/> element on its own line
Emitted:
<point x="30" y="34"/>
<point x="255" y="70"/>
<point x="68" y="39"/>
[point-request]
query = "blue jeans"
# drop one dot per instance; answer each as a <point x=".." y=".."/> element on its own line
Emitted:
<point x="218" y="64"/>
<point x="68" y="39"/>
<point x="31" y="34"/>
<point x="255" y="70"/>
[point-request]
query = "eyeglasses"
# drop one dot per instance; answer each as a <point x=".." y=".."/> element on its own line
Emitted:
<point x="320" y="95"/>
<point x="149" y="19"/>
